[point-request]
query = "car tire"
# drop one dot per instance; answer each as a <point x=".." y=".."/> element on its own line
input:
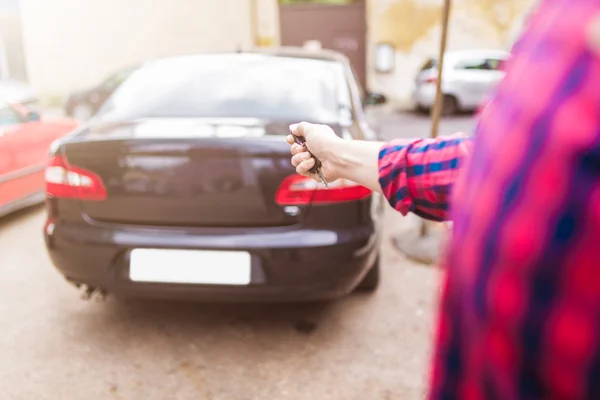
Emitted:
<point x="370" y="281"/>
<point x="450" y="105"/>
<point x="421" y="109"/>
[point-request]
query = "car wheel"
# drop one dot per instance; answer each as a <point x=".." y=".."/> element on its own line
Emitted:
<point x="82" y="112"/>
<point x="421" y="109"/>
<point x="450" y="105"/>
<point x="371" y="280"/>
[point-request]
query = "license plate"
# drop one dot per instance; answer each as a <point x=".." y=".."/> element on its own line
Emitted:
<point x="190" y="267"/>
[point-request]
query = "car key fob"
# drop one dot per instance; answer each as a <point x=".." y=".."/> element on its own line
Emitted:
<point x="317" y="168"/>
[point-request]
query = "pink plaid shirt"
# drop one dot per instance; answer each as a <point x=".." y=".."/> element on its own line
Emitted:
<point x="520" y="310"/>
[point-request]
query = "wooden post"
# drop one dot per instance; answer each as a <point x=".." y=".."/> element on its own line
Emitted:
<point x="436" y="110"/>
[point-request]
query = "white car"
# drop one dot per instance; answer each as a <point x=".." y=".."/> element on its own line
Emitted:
<point x="469" y="77"/>
<point x="14" y="91"/>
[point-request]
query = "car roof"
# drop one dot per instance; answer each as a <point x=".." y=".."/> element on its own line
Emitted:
<point x="282" y="51"/>
<point x="301" y="52"/>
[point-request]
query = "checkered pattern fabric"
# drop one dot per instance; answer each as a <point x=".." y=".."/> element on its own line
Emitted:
<point x="520" y="310"/>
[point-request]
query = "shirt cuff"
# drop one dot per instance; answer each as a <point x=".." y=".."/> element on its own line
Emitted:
<point x="392" y="174"/>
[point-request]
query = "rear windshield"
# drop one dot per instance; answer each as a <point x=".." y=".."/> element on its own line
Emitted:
<point x="232" y="86"/>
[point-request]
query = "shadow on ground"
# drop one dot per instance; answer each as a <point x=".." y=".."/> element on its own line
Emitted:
<point x="17" y="216"/>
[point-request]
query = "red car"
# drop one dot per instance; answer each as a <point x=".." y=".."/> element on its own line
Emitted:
<point x="24" y="142"/>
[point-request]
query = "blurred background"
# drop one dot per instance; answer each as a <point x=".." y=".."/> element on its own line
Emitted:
<point x="62" y="60"/>
<point x="64" y="46"/>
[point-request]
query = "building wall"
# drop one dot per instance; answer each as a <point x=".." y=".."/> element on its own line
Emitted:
<point x="70" y="44"/>
<point x="266" y="22"/>
<point x="12" y="58"/>
<point x="414" y="28"/>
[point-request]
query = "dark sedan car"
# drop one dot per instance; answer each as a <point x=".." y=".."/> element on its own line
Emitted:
<point x="181" y="187"/>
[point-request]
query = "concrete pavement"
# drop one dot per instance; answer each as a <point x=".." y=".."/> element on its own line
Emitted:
<point x="406" y="124"/>
<point x="56" y="346"/>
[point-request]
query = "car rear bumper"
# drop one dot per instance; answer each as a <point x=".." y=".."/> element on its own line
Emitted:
<point x="424" y="95"/>
<point x="288" y="263"/>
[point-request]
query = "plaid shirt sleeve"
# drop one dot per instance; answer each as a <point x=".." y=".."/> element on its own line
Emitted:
<point x="417" y="175"/>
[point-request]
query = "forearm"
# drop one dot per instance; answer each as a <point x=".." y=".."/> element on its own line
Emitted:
<point x="357" y="160"/>
<point x="413" y="174"/>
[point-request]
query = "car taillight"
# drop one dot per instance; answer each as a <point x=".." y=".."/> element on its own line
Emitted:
<point x="71" y="182"/>
<point x="299" y="190"/>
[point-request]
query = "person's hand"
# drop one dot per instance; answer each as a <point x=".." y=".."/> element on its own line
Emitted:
<point x="321" y="140"/>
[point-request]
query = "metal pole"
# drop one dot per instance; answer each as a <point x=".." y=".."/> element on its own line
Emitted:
<point x="436" y="110"/>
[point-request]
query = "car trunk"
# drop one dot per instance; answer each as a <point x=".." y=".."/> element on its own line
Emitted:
<point x="189" y="179"/>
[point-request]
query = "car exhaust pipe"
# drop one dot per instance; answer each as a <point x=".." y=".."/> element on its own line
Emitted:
<point x="100" y="295"/>
<point x="86" y="292"/>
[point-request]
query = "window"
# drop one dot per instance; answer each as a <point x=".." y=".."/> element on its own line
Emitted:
<point x="429" y="64"/>
<point x="385" y="56"/>
<point x="8" y="116"/>
<point x="230" y="86"/>
<point x="495" y="64"/>
<point x="481" y="64"/>
<point x="473" y="64"/>
<point x="115" y="80"/>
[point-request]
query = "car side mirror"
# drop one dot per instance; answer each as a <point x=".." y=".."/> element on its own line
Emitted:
<point x="373" y="99"/>
<point x="33" y="116"/>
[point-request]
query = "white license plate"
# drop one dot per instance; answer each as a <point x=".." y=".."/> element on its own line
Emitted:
<point x="190" y="266"/>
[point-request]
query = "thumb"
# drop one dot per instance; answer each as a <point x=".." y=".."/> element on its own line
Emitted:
<point x="300" y="129"/>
